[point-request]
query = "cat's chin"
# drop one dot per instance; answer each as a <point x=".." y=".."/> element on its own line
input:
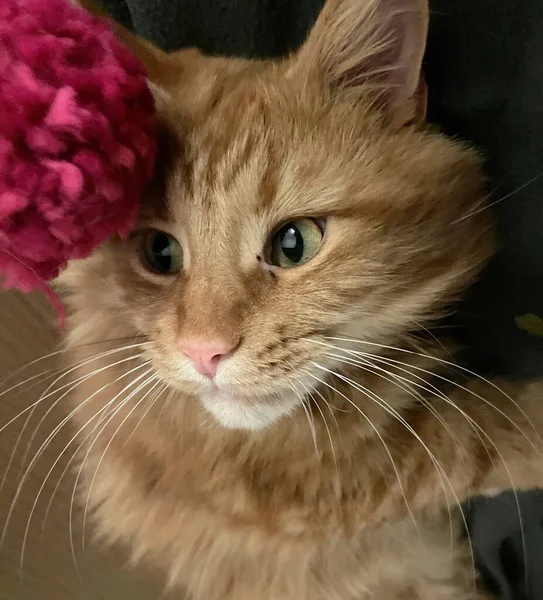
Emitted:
<point x="251" y="413"/>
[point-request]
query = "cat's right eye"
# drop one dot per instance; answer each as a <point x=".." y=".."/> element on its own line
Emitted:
<point x="162" y="253"/>
<point x="296" y="243"/>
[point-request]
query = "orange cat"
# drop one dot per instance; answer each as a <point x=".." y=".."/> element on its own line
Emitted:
<point x="271" y="422"/>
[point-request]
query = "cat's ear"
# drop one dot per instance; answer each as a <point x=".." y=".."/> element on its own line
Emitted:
<point x="156" y="61"/>
<point x="357" y="46"/>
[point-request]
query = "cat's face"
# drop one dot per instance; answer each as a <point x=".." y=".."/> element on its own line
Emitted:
<point x="287" y="210"/>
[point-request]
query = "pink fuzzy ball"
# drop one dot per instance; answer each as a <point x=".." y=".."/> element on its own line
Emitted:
<point x="77" y="142"/>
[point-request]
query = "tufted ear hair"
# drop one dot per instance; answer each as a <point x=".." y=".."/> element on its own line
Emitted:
<point x="358" y="45"/>
<point x="156" y="61"/>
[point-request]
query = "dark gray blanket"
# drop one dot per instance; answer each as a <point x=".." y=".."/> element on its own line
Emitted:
<point x="484" y="68"/>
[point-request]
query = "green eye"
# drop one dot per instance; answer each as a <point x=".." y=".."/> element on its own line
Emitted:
<point x="295" y="243"/>
<point x="163" y="253"/>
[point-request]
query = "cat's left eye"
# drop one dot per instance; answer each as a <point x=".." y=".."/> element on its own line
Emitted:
<point x="162" y="253"/>
<point x="295" y="243"/>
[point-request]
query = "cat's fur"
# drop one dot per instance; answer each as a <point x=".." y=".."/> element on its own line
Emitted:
<point x="237" y="497"/>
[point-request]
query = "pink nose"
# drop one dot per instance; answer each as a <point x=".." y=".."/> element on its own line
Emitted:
<point x="206" y="354"/>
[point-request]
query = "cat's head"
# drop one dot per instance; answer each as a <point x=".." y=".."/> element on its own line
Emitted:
<point x="297" y="204"/>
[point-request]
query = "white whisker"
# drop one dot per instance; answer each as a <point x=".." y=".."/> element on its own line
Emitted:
<point x="56" y="369"/>
<point x="36" y="457"/>
<point x="71" y="385"/>
<point x="72" y="500"/>
<point x="425" y="386"/>
<point x="59" y="457"/>
<point x="310" y="422"/>
<point x="132" y="410"/>
<point x="377" y="371"/>
<point x="456" y="407"/>
<point x="460" y="368"/>
<point x="490" y="204"/>
<point x="381" y="439"/>
<point x="315" y="403"/>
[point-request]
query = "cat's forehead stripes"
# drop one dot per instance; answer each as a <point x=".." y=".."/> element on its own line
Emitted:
<point x="260" y="171"/>
<point x="258" y="147"/>
<point x="255" y="152"/>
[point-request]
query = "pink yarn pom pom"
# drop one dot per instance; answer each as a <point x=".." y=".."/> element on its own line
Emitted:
<point x="77" y="142"/>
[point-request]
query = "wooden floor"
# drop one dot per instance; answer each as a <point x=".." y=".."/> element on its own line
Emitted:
<point x="47" y="569"/>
